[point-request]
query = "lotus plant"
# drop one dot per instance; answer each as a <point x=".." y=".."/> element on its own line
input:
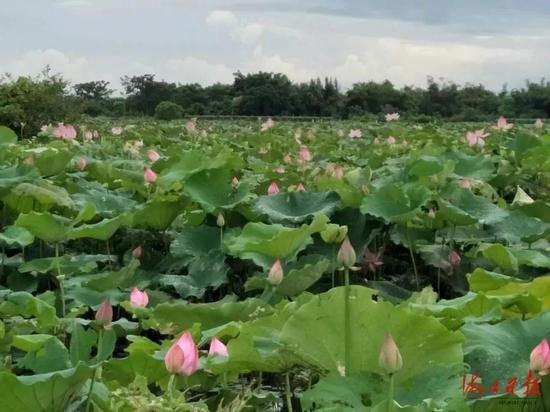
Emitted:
<point x="392" y="117"/>
<point x="273" y="189"/>
<point x="104" y="314"/>
<point x="217" y="348"/>
<point x="502" y="124"/>
<point x="346" y="257"/>
<point x="391" y="362"/>
<point x="152" y="155"/>
<point x="275" y="276"/>
<point x="539" y="360"/>
<point x="183" y="356"/>
<point x="138" y="297"/>
<point x="149" y="176"/>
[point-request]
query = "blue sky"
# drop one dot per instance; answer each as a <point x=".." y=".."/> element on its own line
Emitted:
<point x="490" y="42"/>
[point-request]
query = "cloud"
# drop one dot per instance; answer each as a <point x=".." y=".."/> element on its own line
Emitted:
<point x="222" y="18"/>
<point x="250" y="33"/>
<point x="74" y="3"/>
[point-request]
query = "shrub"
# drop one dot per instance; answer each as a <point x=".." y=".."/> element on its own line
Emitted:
<point x="168" y="111"/>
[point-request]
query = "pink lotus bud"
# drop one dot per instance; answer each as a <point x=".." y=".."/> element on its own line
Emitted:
<point x="300" y="188"/>
<point x="539" y="360"/>
<point x="305" y="155"/>
<point x="276" y="273"/>
<point x="137" y="252"/>
<point x="153" y="156"/>
<point x="235" y="181"/>
<point x="88" y="136"/>
<point x="149" y="176"/>
<point x="273" y="189"/>
<point x="82" y="163"/>
<point x="390" y="140"/>
<point x="139" y="298"/>
<point x="465" y="183"/>
<point x="539" y="124"/>
<point x="454" y="258"/>
<point x="104" y="315"/>
<point x="183" y="356"/>
<point x="346" y="255"/>
<point x="95" y="134"/>
<point x="117" y="130"/>
<point x="217" y="348"/>
<point x="390" y="359"/>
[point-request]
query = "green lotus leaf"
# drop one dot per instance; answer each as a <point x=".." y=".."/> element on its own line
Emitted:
<point x="45" y="226"/>
<point x="16" y="236"/>
<point x="7" y="136"/>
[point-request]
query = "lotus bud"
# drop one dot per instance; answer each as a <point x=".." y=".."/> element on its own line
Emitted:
<point x="217" y="348"/>
<point x="273" y="189"/>
<point x="539" y="360"/>
<point x="390" y="359"/>
<point x="346" y="255"/>
<point x="235" y="181"/>
<point x="300" y="188"/>
<point x="454" y="258"/>
<point x="153" y="156"/>
<point x="276" y="273"/>
<point x="137" y="252"/>
<point x="82" y="163"/>
<point x="334" y="233"/>
<point x="149" y="176"/>
<point x="183" y="356"/>
<point x="139" y="298"/>
<point x="104" y="315"/>
<point x="220" y="221"/>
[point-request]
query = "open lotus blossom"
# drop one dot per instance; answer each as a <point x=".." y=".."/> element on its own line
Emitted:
<point x="117" y="131"/>
<point x="502" y="124"/>
<point x="300" y="188"/>
<point x="138" y="297"/>
<point x="391" y="117"/>
<point x="454" y="258"/>
<point x="305" y="155"/>
<point x="476" y="138"/>
<point x="153" y="155"/>
<point x="149" y="176"/>
<point x="137" y="251"/>
<point x="268" y="124"/>
<point x="390" y="358"/>
<point x="191" y="126"/>
<point x="391" y="140"/>
<point x="465" y="183"/>
<point x="273" y="189"/>
<point x="372" y="260"/>
<point x="63" y="131"/>
<point x="539" y="359"/>
<point x="183" y="356"/>
<point x="104" y="315"/>
<point x="355" y="133"/>
<point x="276" y="273"/>
<point x="279" y="169"/>
<point x="82" y="163"/>
<point x="346" y="255"/>
<point x="217" y="348"/>
<point x="539" y="124"/>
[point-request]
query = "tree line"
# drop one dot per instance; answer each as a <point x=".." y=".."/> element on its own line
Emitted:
<point x="49" y="97"/>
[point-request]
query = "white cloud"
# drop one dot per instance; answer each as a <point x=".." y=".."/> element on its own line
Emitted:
<point x="250" y="33"/>
<point x="74" y="3"/>
<point x="221" y="18"/>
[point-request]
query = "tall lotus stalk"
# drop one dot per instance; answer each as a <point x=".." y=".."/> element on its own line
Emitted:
<point x="346" y="257"/>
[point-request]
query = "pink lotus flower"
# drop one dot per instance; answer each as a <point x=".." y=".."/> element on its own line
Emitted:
<point x="268" y="124"/>
<point x="454" y="258"/>
<point x="355" y="133"/>
<point x="64" y="132"/>
<point x="153" y="155"/>
<point x="117" y="131"/>
<point x="305" y="155"/>
<point x="346" y="255"/>
<point x="476" y="138"/>
<point x="104" y="315"/>
<point x="465" y="183"/>
<point x="502" y="124"/>
<point x="392" y="116"/>
<point x="279" y="169"/>
<point x="149" y="176"/>
<point x="539" y="359"/>
<point x="539" y="123"/>
<point x="335" y="170"/>
<point x="391" y="140"/>
<point x="82" y="163"/>
<point x="300" y="188"/>
<point x="139" y="298"/>
<point x="191" y="126"/>
<point x="137" y="252"/>
<point x="183" y="356"/>
<point x="217" y="348"/>
<point x="390" y="358"/>
<point x="273" y="189"/>
<point x="372" y="260"/>
<point x="276" y="273"/>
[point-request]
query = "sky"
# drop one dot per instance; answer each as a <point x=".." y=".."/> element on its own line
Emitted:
<point x="492" y="42"/>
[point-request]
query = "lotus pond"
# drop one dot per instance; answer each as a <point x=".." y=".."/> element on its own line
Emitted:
<point x="258" y="265"/>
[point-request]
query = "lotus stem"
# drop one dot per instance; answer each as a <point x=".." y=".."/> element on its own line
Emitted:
<point x="347" y="322"/>
<point x="60" y="280"/>
<point x="390" y="394"/>
<point x="411" y="252"/>
<point x="288" y="392"/>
